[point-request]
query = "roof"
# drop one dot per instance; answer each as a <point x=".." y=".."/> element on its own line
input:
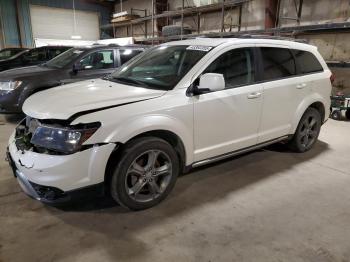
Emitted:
<point x="114" y="46"/>
<point x="246" y="40"/>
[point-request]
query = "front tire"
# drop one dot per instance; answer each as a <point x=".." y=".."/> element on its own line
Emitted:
<point x="145" y="174"/>
<point x="307" y="131"/>
<point x="347" y="114"/>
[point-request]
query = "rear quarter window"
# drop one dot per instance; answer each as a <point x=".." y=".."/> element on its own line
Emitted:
<point x="307" y="62"/>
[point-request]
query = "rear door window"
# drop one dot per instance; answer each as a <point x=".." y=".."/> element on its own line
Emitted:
<point x="307" y="62"/>
<point x="278" y="63"/>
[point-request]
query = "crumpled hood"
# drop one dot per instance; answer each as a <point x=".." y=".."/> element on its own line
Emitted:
<point x="64" y="101"/>
<point x="23" y="72"/>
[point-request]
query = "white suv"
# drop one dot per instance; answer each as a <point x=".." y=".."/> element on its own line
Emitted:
<point x="176" y="106"/>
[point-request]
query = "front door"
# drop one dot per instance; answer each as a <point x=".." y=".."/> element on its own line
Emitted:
<point x="228" y="120"/>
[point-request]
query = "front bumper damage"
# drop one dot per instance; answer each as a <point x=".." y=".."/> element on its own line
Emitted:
<point x="55" y="179"/>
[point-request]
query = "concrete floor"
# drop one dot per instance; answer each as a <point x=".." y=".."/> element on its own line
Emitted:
<point x="269" y="205"/>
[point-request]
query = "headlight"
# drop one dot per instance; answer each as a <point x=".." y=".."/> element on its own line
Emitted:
<point x="9" y="85"/>
<point x="65" y="140"/>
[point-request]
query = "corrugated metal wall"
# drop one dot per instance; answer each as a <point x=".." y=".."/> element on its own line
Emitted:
<point x="79" y="5"/>
<point x="9" y="23"/>
<point x="24" y="19"/>
<point x="13" y="36"/>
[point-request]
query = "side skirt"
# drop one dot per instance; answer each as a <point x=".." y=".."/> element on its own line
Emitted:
<point x="238" y="152"/>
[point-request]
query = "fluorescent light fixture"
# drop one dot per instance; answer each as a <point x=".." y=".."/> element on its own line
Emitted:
<point x="76" y="37"/>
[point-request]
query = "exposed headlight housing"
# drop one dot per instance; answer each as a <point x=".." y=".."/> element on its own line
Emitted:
<point x="9" y="85"/>
<point x="64" y="140"/>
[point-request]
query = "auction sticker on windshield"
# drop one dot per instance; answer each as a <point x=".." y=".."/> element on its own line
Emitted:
<point x="199" y="48"/>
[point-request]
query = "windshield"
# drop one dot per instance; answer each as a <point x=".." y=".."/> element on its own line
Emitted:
<point x="65" y="58"/>
<point x="7" y="53"/>
<point x="161" y="67"/>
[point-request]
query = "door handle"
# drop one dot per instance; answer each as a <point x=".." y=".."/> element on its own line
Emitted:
<point x="254" y="95"/>
<point x="300" y="86"/>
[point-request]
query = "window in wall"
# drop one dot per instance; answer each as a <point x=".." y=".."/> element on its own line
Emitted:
<point x="237" y="67"/>
<point x="307" y="62"/>
<point x="277" y="63"/>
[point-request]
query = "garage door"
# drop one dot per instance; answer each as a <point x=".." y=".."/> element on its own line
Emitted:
<point x="58" y="23"/>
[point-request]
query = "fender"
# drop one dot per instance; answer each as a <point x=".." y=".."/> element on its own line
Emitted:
<point x="138" y="125"/>
<point x="31" y="89"/>
<point x="309" y="100"/>
<point x="148" y="123"/>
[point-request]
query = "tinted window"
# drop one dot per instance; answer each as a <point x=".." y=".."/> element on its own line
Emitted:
<point x="35" y="55"/>
<point x="160" y="67"/>
<point x="55" y="52"/>
<point x="127" y="54"/>
<point x="277" y="63"/>
<point x="307" y="62"/>
<point x="103" y="59"/>
<point x="65" y="58"/>
<point x="7" y="53"/>
<point x="236" y="66"/>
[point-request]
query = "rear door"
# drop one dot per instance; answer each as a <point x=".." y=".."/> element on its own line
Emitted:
<point x="284" y="90"/>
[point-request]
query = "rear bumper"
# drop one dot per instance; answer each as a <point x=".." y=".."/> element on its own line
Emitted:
<point x="55" y="179"/>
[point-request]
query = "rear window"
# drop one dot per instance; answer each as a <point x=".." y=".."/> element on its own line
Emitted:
<point x="277" y="63"/>
<point x="307" y="62"/>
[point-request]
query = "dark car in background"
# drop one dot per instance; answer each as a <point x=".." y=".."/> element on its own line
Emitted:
<point x="31" y="57"/>
<point x="7" y="53"/>
<point x="71" y="66"/>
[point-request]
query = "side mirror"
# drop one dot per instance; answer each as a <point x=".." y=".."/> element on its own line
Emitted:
<point x="211" y="82"/>
<point x="77" y="67"/>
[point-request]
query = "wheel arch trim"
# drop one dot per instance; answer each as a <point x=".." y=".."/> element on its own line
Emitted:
<point x="306" y="103"/>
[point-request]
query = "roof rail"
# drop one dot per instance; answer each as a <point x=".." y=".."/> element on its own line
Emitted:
<point x="270" y="37"/>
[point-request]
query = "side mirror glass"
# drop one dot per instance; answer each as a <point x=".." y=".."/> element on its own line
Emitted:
<point x="211" y="82"/>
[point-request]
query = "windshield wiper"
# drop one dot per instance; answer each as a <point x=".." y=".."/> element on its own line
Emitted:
<point x="129" y="80"/>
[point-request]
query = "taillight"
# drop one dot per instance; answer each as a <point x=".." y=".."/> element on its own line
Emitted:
<point x="332" y="78"/>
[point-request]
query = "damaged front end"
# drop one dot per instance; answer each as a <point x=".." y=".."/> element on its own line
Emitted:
<point x="53" y="137"/>
<point x="53" y="164"/>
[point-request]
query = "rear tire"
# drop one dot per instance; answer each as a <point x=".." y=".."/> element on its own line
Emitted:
<point x="336" y="115"/>
<point x="145" y="173"/>
<point x="307" y="131"/>
<point x="347" y="114"/>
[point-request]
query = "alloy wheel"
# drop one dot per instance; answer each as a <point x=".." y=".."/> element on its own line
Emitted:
<point x="148" y="176"/>
<point x="308" y="131"/>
